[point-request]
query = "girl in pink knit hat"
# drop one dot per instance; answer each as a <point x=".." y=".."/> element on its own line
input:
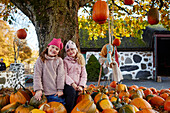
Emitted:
<point x="49" y="75"/>
<point x="76" y="75"/>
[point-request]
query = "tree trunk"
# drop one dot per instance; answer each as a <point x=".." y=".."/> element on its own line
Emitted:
<point x="53" y="19"/>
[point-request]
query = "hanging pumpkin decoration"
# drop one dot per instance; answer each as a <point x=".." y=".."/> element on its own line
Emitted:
<point x="21" y="34"/>
<point x="100" y="12"/>
<point x="116" y="42"/>
<point x="153" y="16"/>
<point x="128" y="2"/>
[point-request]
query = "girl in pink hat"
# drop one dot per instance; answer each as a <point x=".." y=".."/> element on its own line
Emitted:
<point x="49" y="75"/>
<point x="76" y="75"/>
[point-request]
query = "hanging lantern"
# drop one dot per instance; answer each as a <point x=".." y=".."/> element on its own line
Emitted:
<point x="100" y="12"/>
<point x="153" y="16"/>
<point x="21" y="34"/>
<point x="128" y="2"/>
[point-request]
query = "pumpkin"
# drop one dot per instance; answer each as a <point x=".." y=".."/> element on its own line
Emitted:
<point x="167" y="105"/>
<point x="113" y="84"/>
<point x="140" y="103"/>
<point x="147" y="92"/>
<point x="153" y="16"/>
<point x="92" y="85"/>
<point x="55" y="107"/>
<point x="21" y="34"/>
<point x="83" y="96"/>
<point x="19" y="96"/>
<point x="123" y="93"/>
<point x="84" y="106"/>
<point x="121" y="87"/>
<point x="100" y="96"/>
<point x="128" y="2"/>
<point x="109" y="110"/>
<point x="36" y="111"/>
<point x="154" y="90"/>
<point x="116" y="42"/>
<point x="157" y="101"/>
<point x="128" y="109"/>
<point x="142" y="87"/>
<point x="26" y="90"/>
<point x="164" y="91"/>
<point x="94" y="94"/>
<point x="146" y="111"/>
<point x="10" y="108"/>
<point x="24" y="108"/>
<point x="136" y="93"/>
<point x="104" y="104"/>
<point x="4" y="100"/>
<point x="164" y="95"/>
<point x="36" y="103"/>
<point x="100" y="12"/>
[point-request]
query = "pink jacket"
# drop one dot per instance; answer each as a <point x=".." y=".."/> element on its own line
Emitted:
<point x="75" y="73"/>
<point x="49" y="76"/>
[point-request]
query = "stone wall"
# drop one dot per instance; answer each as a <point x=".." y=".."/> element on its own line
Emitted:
<point x="133" y="64"/>
<point x="13" y="76"/>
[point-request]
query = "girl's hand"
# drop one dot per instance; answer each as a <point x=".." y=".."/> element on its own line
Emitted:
<point x="74" y="86"/>
<point x="79" y="88"/>
<point x="38" y="95"/>
<point x="59" y="93"/>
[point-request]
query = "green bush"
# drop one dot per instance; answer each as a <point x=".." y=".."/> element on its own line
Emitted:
<point x="93" y="69"/>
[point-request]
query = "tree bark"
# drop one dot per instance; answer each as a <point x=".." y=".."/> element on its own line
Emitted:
<point x="53" y="19"/>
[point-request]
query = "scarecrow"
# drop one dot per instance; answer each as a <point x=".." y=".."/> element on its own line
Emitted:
<point x="109" y="56"/>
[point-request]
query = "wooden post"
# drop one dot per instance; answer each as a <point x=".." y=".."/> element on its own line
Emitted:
<point x="100" y="74"/>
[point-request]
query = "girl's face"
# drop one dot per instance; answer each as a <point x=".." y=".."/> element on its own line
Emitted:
<point x="71" y="52"/>
<point x="53" y="50"/>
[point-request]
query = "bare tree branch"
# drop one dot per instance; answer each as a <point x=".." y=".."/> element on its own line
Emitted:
<point x="120" y="7"/>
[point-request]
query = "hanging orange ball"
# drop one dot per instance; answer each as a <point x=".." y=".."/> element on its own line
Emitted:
<point x="153" y="16"/>
<point x="128" y="2"/>
<point x="21" y="34"/>
<point x="116" y="42"/>
<point x="100" y="12"/>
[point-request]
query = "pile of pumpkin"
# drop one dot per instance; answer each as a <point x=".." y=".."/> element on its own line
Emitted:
<point x="115" y="98"/>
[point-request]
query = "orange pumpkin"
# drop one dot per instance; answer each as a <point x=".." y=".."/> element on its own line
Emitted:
<point x="4" y="100"/>
<point x="100" y="12"/>
<point x="24" y="108"/>
<point x="116" y="42"/>
<point x="123" y="93"/>
<point x="153" y="16"/>
<point x="157" y="101"/>
<point x="147" y="92"/>
<point x="121" y="87"/>
<point x="140" y="103"/>
<point x="10" y="108"/>
<point x="146" y="111"/>
<point x="21" y="34"/>
<point x="109" y="111"/>
<point x="54" y="107"/>
<point x="104" y="104"/>
<point x="167" y="105"/>
<point x="128" y="2"/>
<point x="154" y="90"/>
<point x="84" y="106"/>
<point x="100" y="96"/>
<point x="19" y="96"/>
<point x="83" y="96"/>
<point x="164" y="95"/>
<point x="36" y="111"/>
<point x="113" y="84"/>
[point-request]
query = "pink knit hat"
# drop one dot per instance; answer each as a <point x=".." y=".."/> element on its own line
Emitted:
<point x="70" y="44"/>
<point x="56" y="42"/>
